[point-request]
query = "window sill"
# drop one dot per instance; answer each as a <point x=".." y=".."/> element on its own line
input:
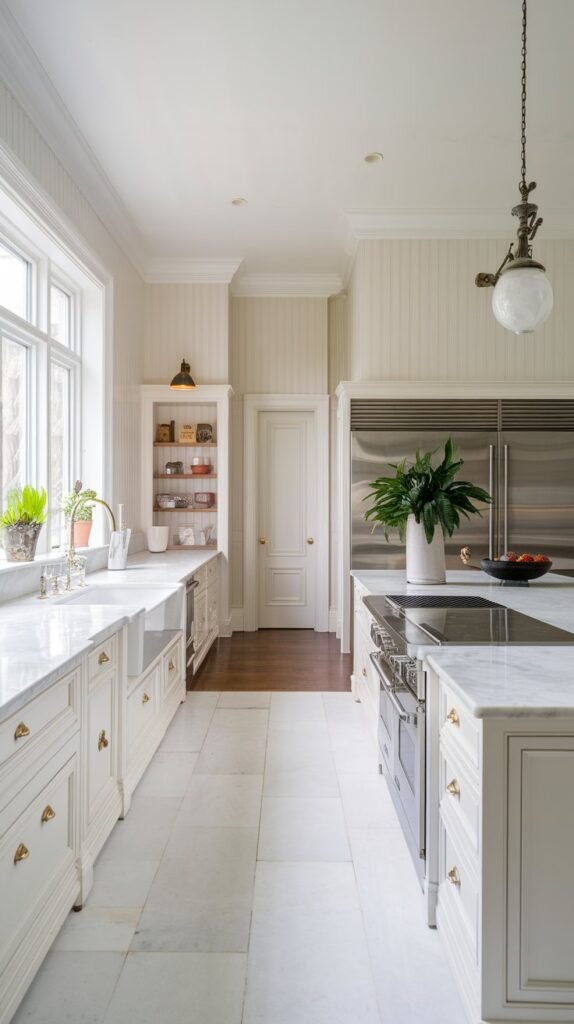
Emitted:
<point x="49" y="559"/>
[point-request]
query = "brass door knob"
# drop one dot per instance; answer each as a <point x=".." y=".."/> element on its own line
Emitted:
<point x="452" y="717"/>
<point x="453" y="788"/>
<point x="262" y="540"/>
<point x="103" y="658"/>
<point x="48" y="814"/>
<point x="453" y="876"/>
<point x="21" y="731"/>
<point x="21" y="853"/>
<point x="103" y="740"/>
<point x="310" y="540"/>
<point x="145" y="698"/>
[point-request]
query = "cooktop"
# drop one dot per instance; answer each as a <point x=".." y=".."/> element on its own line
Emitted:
<point x="457" y="624"/>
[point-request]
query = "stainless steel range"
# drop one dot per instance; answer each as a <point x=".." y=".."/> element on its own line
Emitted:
<point x="405" y="623"/>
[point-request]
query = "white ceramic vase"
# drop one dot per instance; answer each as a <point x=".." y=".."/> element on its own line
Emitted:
<point x="425" y="562"/>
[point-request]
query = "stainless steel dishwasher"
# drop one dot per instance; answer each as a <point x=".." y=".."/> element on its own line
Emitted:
<point x="189" y="589"/>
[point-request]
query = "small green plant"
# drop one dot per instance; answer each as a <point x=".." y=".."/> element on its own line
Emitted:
<point x="81" y="503"/>
<point x="25" y="507"/>
<point x="429" y="493"/>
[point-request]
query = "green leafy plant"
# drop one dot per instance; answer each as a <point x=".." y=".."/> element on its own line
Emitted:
<point x="429" y="493"/>
<point x="25" y="507"/>
<point x="81" y="503"/>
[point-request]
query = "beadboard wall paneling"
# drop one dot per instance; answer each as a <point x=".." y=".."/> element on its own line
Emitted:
<point x="338" y="370"/>
<point x="415" y="313"/>
<point x="25" y="142"/>
<point x="191" y="321"/>
<point x="277" y="346"/>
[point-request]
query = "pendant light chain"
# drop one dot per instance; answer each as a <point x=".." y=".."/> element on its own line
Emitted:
<point x="523" y="187"/>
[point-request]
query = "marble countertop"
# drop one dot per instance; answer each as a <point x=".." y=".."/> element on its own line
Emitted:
<point x="40" y="641"/>
<point x="498" y="680"/>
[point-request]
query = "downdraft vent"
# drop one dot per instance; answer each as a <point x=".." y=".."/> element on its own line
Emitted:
<point x="521" y="414"/>
<point x="428" y="414"/>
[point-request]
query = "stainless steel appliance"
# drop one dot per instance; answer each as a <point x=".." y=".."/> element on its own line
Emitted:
<point x="189" y="589"/>
<point x="405" y="623"/>
<point x="520" y="451"/>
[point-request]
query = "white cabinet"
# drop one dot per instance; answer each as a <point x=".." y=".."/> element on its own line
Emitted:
<point x="205" y="611"/>
<point x="501" y="861"/>
<point x="364" y="681"/>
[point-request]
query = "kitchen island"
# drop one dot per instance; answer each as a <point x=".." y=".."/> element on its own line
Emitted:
<point x="499" y="798"/>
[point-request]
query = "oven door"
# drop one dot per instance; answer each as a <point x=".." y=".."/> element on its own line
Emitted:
<point x="402" y="744"/>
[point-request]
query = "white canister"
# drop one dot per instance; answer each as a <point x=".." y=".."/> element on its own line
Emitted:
<point x="157" y="538"/>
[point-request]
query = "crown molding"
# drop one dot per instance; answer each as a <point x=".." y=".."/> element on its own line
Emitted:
<point x="414" y="224"/>
<point x="192" y="270"/>
<point x="27" y="80"/>
<point x="309" y="286"/>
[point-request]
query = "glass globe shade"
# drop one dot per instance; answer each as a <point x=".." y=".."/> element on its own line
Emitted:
<point x="522" y="299"/>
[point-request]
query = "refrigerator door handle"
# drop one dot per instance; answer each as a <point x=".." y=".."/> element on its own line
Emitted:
<point x="505" y="500"/>
<point x="490" y="507"/>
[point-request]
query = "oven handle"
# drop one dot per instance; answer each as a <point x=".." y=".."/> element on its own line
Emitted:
<point x="404" y="715"/>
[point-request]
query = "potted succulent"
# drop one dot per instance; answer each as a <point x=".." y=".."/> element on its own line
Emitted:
<point x="21" y="522"/>
<point x="424" y="503"/>
<point x="82" y="504"/>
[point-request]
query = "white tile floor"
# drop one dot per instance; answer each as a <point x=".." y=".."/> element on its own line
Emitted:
<point x="260" y="878"/>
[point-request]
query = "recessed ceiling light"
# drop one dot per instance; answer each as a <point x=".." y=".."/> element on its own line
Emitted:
<point x="373" y="158"/>
<point x="239" y="201"/>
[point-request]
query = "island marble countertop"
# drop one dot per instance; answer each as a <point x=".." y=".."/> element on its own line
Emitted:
<point x="499" y="680"/>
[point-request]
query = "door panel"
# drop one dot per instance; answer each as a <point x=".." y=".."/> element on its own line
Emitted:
<point x="540" y="494"/>
<point x="286" y="501"/>
<point x="373" y="451"/>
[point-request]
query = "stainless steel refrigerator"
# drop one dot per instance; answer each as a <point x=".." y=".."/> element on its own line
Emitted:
<point x="521" y="451"/>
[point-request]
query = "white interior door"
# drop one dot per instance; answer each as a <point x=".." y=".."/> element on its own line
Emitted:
<point x="287" y="501"/>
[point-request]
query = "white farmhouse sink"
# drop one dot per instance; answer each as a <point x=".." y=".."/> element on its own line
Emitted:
<point x="149" y="608"/>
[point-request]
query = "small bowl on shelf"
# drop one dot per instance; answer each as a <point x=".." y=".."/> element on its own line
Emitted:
<point x="201" y="469"/>
<point x="514" y="574"/>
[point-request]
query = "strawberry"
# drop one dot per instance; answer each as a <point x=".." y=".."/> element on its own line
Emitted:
<point x="526" y="558"/>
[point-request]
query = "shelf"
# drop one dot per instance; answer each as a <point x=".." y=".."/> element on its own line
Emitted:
<point x="185" y="476"/>
<point x="212" y="508"/>
<point x="184" y="444"/>
<point x="192" y="547"/>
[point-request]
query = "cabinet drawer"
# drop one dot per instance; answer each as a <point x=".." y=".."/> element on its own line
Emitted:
<point x="459" y="796"/>
<point x="101" y="741"/>
<point x="459" y="726"/>
<point x="362" y="616"/>
<point x="171" y="668"/>
<point x="211" y="571"/>
<point x="103" y="657"/>
<point x="142" y="707"/>
<point x="53" y="710"/>
<point x="35" y="850"/>
<point x="458" y="890"/>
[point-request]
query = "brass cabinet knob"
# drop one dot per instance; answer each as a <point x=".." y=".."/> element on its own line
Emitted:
<point x="452" y="717"/>
<point x="364" y="671"/>
<point x="21" y="731"/>
<point x="145" y="698"/>
<point x="171" y="665"/>
<point x="21" y="853"/>
<point x="310" y="540"/>
<point x="453" y="788"/>
<point x="453" y="876"/>
<point x="262" y="540"/>
<point x="48" y="814"/>
<point x="103" y="658"/>
<point x="103" y="740"/>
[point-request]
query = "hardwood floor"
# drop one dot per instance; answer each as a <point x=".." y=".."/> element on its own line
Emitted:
<point x="275" y="659"/>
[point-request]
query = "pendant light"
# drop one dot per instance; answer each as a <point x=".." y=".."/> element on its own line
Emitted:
<point x="183" y="381"/>
<point x="522" y="298"/>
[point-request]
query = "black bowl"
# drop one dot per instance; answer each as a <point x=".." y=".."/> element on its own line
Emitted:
<point x="514" y="574"/>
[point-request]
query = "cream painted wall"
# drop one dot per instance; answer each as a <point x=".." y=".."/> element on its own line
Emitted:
<point x="276" y="346"/>
<point x="191" y="321"/>
<point x="339" y="369"/>
<point x="25" y="142"/>
<point x="415" y="313"/>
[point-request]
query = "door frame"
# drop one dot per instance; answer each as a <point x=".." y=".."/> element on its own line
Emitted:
<point x="252" y="406"/>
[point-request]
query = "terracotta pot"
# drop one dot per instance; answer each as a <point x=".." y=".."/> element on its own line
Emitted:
<point x="82" y="531"/>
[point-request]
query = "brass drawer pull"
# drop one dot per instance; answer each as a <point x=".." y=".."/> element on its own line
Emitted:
<point x="171" y="665"/>
<point x="145" y="698"/>
<point x="453" y="788"/>
<point x="21" y="853"/>
<point x="453" y="876"/>
<point x="103" y="658"/>
<point x="21" y="731"/>
<point x="364" y="671"/>
<point x="48" y="814"/>
<point x="452" y="717"/>
<point x="103" y="740"/>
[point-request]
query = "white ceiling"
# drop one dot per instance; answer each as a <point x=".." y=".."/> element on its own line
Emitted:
<point x="186" y="104"/>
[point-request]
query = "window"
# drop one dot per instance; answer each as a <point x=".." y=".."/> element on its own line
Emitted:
<point x="60" y="316"/>
<point x="15" y="425"/>
<point x="60" y="448"/>
<point x="15" y="272"/>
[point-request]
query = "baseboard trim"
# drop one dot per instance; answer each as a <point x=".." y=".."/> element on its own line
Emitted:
<point x="236" y="621"/>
